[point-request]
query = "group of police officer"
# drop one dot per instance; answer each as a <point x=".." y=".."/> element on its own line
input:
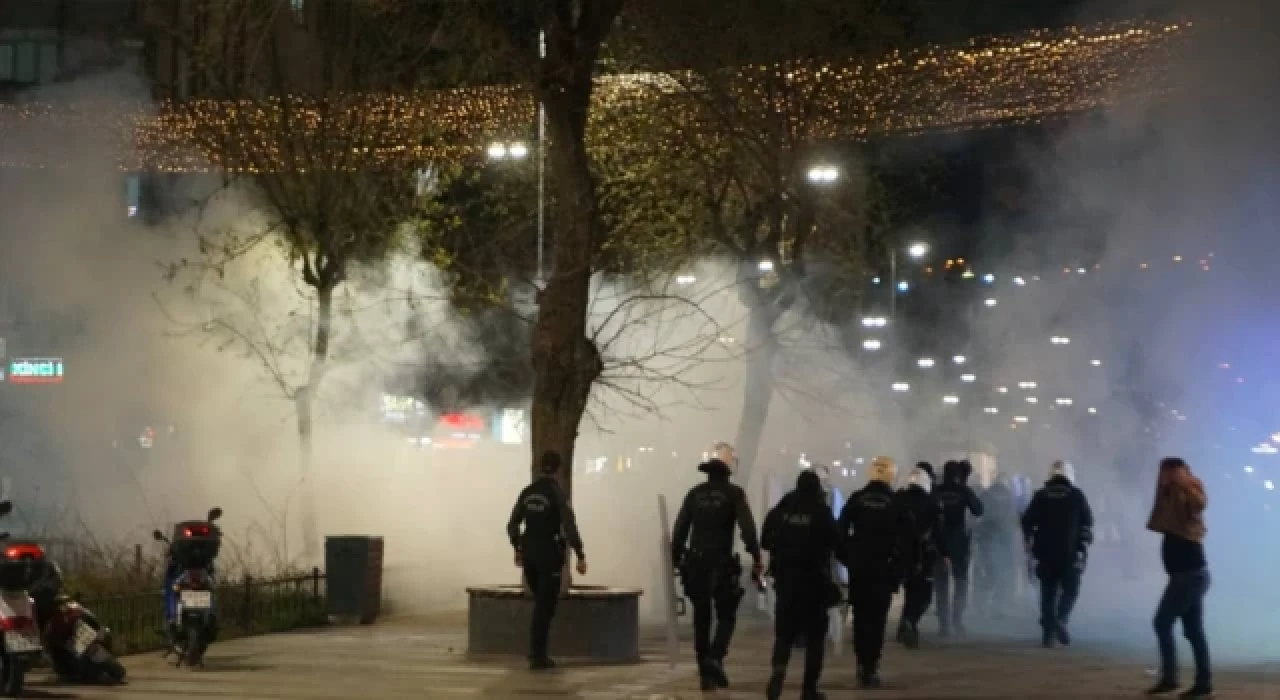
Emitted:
<point x="915" y="539"/>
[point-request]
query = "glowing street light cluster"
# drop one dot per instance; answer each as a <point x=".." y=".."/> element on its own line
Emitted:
<point x="516" y="150"/>
<point x="685" y="280"/>
<point x="959" y="359"/>
<point x="765" y="266"/>
<point x="1063" y="402"/>
<point x="1060" y="340"/>
<point x="1026" y="385"/>
<point x="824" y="174"/>
<point x="871" y="344"/>
<point x="875" y="322"/>
<point x="990" y="302"/>
<point x="924" y="362"/>
<point x="901" y="387"/>
<point x="952" y="400"/>
<point x="968" y="378"/>
<point x="991" y="410"/>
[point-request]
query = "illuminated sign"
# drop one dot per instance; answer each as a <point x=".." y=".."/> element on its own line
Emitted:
<point x="36" y="371"/>
<point x="511" y="427"/>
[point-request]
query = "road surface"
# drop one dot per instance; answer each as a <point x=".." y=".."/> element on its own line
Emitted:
<point x="423" y="658"/>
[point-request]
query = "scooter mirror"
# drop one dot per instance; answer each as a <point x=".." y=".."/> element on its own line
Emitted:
<point x="214" y="513"/>
<point x="6" y="508"/>
<point x="158" y="536"/>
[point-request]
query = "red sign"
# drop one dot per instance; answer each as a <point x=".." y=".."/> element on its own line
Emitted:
<point x="463" y="422"/>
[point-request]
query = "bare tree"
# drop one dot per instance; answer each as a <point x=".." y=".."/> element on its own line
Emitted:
<point x="297" y="111"/>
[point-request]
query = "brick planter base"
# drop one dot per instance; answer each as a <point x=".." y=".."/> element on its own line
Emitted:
<point x="595" y="623"/>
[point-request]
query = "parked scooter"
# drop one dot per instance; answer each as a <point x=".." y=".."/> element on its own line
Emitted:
<point x="77" y="644"/>
<point x="21" y="563"/>
<point x="190" y="585"/>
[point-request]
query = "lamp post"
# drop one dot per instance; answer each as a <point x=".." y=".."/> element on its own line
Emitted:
<point x="915" y="251"/>
<point x="518" y="150"/>
<point x="826" y="175"/>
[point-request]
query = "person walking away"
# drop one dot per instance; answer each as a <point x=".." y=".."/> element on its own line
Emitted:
<point x="995" y="536"/>
<point x="923" y="553"/>
<point x="874" y="530"/>
<point x="1178" y="515"/>
<point x="958" y="501"/>
<point x="1058" y="527"/>
<point x="549" y="524"/>
<point x="800" y="535"/>
<point x="702" y="550"/>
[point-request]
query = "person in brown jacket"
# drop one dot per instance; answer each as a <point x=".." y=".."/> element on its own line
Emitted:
<point x="1178" y="514"/>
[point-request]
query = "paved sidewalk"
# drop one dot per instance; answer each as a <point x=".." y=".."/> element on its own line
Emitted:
<point x="424" y="658"/>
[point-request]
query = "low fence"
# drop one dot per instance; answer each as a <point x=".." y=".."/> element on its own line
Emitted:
<point x="248" y="607"/>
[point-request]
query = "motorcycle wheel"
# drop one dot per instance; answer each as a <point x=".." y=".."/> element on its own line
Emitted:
<point x="114" y="671"/>
<point x="195" y="647"/>
<point x="12" y="676"/>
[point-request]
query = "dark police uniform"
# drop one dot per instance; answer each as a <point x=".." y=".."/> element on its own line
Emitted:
<point x="923" y="553"/>
<point x="957" y="501"/>
<point x="1059" y="528"/>
<point x="996" y="568"/>
<point x="709" y="570"/>
<point x="874" y="529"/>
<point x="548" y="524"/>
<point x="800" y="535"/>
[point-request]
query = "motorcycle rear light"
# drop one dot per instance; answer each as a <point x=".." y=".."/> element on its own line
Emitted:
<point x="16" y="624"/>
<point x="197" y="531"/>
<point x="18" y="552"/>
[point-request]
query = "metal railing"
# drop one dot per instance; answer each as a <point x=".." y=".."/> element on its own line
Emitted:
<point x="244" y="608"/>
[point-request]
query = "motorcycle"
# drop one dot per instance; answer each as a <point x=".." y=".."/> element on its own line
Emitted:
<point x="77" y="645"/>
<point x="21" y="563"/>
<point x="190" y="584"/>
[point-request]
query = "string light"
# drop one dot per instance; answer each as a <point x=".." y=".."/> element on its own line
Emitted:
<point x="1028" y="78"/>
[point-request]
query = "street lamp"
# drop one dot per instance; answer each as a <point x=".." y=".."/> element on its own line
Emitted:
<point x="824" y="174"/>
<point x="916" y="251"/>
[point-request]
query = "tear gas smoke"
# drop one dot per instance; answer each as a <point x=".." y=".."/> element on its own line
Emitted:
<point x="1144" y="185"/>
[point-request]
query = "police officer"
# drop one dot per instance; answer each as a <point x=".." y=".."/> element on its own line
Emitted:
<point x="710" y="571"/>
<point x="540" y="549"/>
<point x="958" y="500"/>
<point x="996" y="537"/>
<point x="800" y="535"/>
<point x="923" y="553"/>
<point x="875" y="531"/>
<point x="1058" y="526"/>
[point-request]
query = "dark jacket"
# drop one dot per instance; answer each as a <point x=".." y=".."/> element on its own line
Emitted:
<point x="800" y="534"/>
<point x="548" y="520"/>
<point x="708" y="516"/>
<point x="875" y="533"/>
<point x="1058" y="523"/>
<point x="957" y="500"/>
<point x="924" y="514"/>
<point x="999" y="512"/>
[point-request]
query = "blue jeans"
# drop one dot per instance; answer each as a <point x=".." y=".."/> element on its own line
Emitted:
<point x="1183" y="599"/>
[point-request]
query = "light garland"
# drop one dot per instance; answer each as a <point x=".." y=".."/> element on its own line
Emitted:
<point x="1024" y="79"/>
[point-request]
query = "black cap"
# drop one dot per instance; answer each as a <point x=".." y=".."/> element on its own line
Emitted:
<point x="550" y="463"/>
<point x="809" y="482"/>
<point x="1174" y="463"/>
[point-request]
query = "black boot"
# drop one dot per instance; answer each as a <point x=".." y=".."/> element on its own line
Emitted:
<point x="715" y="669"/>
<point x="868" y="677"/>
<point x="541" y="663"/>
<point x="913" y="635"/>
<point x="1197" y="692"/>
<point x="813" y="695"/>
<point x="1163" y="687"/>
<point x="773" y="690"/>
<point x="1061" y="633"/>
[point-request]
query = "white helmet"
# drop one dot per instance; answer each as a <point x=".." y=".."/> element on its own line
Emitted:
<point x="724" y="452"/>
<point x="1064" y="469"/>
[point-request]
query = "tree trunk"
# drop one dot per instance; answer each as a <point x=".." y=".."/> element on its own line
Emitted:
<point x="757" y="389"/>
<point x="305" y="403"/>
<point x="565" y="361"/>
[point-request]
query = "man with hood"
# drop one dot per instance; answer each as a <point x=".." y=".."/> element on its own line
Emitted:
<point x="549" y="525"/>
<point x="1058" y="526"/>
<point x="800" y="535"/>
<point x="996" y="538"/>
<point x="958" y="501"/>
<point x="702" y="550"/>
<point x="875" y="531"/>
<point x="923" y="553"/>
